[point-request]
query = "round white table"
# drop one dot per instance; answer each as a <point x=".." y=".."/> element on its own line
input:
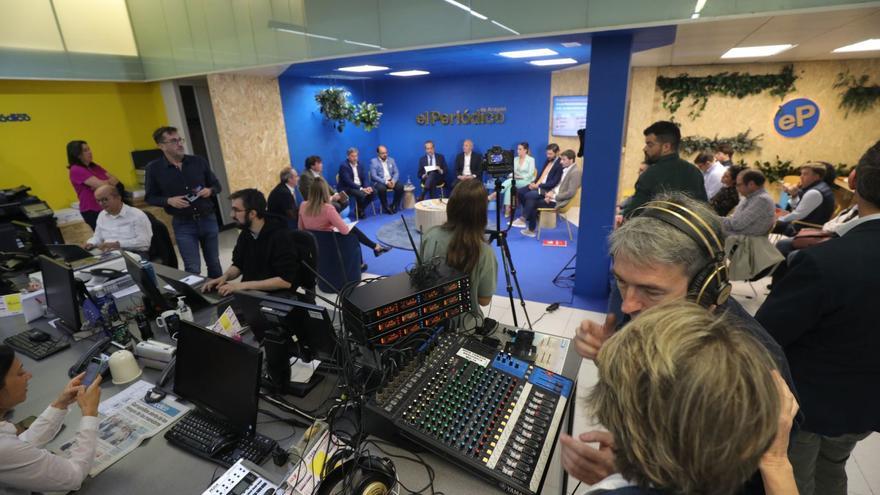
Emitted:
<point x="429" y="213"/>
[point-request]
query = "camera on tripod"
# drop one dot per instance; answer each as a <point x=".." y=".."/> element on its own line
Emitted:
<point x="498" y="162"/>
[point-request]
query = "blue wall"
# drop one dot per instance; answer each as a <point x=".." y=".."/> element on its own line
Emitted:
<point x="309" y="134"/>
<point x="526" y="97"/>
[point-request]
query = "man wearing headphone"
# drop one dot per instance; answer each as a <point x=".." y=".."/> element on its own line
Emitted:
<point x="264" y="255"/>
<point x="672" y="249"/>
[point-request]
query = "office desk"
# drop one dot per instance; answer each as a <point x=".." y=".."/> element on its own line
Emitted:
<point x="156" y="467"/>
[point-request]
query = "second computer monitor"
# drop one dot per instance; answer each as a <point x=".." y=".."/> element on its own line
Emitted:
<point x="61" y="293"/>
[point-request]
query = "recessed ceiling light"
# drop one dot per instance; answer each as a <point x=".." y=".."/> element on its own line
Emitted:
<point x="362" y="68"/>
<point x="502" y="26"/>
<point x="571" y="44"/>
<point x="861" y="46"/>
<point x="756" y="51"/>
<point x="409" y="73"/>
<point x="341" y="77"/>
<point x="537" y="52"/>
<point x="554" y="61"/>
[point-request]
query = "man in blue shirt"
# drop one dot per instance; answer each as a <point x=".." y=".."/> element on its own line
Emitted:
<point x="184" y="184"/>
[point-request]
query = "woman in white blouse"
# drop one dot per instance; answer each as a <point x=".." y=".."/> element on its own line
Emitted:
<point x="524" y="173"/>
<point x="24" y="465"/>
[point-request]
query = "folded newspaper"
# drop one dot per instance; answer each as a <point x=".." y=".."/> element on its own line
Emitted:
<point x="126" y="421"/>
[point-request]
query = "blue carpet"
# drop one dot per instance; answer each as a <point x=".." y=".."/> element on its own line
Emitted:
<point x="535" y="264"/>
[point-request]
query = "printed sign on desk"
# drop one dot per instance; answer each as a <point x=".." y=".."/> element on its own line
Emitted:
<point x="796" y="117"/>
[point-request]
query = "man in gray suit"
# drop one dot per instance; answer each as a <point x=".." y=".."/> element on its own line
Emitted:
<point x="384" y="177"/>
<point x="558" y="197"/>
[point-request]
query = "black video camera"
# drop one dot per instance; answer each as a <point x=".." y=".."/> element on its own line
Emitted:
<point x="498" y="162"/>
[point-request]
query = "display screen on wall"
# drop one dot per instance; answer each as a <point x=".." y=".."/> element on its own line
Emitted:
<point x="569" y="115"/>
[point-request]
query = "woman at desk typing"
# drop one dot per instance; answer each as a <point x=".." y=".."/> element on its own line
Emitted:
<point x="24" y="465"/>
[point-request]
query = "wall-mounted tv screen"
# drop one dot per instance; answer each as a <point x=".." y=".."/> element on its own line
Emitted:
<point x="569" y="115"/>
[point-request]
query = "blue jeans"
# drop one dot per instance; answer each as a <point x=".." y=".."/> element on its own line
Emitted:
<point x="190" y="234"/>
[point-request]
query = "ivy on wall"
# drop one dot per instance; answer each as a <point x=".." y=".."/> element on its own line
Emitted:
<point x="857" y="95"/>
<point x="335" y="107"/>
<point x="774" y="171"/>
<point x="742" y="143"/>
<point x="699" y="89"/>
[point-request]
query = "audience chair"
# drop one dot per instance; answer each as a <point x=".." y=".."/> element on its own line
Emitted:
<point x="307" y="249"/>
<point x="161" y="247"/>
<point x="340" y="260"/>
<point x="547" y="216"/>
<point x="441" y="186"/>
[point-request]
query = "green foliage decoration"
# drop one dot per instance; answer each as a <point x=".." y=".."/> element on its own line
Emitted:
<point x="857" y="95"/>
<point x="742" y="143"/>
<point x="677" y="89"/>
<point x="335" y="107"/>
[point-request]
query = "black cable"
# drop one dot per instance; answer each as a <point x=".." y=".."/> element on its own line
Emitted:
<point x="576" y="487"/>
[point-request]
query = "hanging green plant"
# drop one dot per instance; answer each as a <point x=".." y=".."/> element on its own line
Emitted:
<point x="742" y="143"/>
<point x="334" y="106"/>
<point x="366" y="115"/>
<point x="739" y="85"/>
<point x="857" y="96"/>
<point x="776" y="170"/>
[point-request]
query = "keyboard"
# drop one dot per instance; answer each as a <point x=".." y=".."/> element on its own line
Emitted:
<point x="35" y="350"/>
<point x="212" y="438"/>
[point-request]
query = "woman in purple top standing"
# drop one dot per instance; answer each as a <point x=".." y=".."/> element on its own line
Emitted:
<point x="86" y="176"/>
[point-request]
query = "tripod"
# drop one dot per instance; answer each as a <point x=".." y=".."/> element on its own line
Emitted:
<point x="500" y="236"/>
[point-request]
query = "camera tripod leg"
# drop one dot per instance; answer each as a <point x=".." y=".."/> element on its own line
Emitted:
<point x="510" y="273"/>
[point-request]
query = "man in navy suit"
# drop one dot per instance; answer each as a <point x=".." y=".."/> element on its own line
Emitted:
<point x="432" y="169"/>
<point x="547" y="181"/>
<point x="353" y="180"/>
<point x="384" y="176"/>
<point x="824" y="314"/>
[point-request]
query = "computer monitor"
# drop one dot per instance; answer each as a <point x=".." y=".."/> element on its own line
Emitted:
<point x="145" y="283"/>
<point x="142" y="158"/>
<point x="311" y="324"/>
<point x="218" y="374"/>
<point x="61" y="293"/>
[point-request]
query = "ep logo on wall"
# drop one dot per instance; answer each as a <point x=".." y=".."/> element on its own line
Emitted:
<point x="796" y="117"/>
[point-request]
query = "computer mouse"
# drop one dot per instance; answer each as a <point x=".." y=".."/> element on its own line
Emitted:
<point x="38" y="336"/>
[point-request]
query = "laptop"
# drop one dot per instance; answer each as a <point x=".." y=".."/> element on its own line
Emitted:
<point x="193" y="295"/>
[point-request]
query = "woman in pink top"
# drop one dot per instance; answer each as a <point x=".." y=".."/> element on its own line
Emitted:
<point x="317" y="213"/>
<point x="86" y="176"/>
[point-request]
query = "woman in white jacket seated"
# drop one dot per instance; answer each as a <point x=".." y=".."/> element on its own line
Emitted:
<point x="25" y="466"/>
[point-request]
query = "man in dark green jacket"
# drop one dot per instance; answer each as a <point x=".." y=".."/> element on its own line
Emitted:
<point x="667" y="172"/>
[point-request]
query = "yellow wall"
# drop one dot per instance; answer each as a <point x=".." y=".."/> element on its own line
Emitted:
<point x="114" y="118"/>
<point x="251" y="128"/>
<point x="835" y="139"/>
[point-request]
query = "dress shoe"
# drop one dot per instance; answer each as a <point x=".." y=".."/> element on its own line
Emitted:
<point x="519" y="223"/>
<point x="382" y="250"/>
<point x="363" y="267"/>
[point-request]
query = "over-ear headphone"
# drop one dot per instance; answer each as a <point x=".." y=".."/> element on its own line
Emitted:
<point x="369" y="474"/>
<point x="710" y="286"/>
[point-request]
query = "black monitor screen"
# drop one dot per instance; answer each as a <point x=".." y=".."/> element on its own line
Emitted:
<point x="311" y="324"/>
<point x="61" y="292"/>
<point x="219" y="374"/>
<point x="144" y="282"/>
<point x="140" y="158"/>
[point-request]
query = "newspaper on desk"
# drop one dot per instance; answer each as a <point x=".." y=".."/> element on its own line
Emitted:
<point x="126" y="421"/>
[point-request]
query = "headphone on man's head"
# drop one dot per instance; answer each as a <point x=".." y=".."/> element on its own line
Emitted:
<point x="710" y="286"/>
<point x="369" y="474"/>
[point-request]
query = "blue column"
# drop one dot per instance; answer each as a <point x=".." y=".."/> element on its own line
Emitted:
<point x="606" y="115"/>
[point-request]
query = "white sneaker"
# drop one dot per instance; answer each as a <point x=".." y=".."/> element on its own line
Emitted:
<point x="520" y="223"/>
<point x="528" y="233"/>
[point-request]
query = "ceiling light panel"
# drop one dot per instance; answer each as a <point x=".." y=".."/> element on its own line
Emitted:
<point x="553" y="61"/>
<point x="363" y="68"/>
<point x="756" y="51"/>
<point x="537" y="52"/>
<point x="861" y="46"/>
<point x="409" y="73"/>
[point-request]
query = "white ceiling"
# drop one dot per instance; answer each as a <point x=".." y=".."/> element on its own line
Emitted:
<point x="816" y="34"/>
